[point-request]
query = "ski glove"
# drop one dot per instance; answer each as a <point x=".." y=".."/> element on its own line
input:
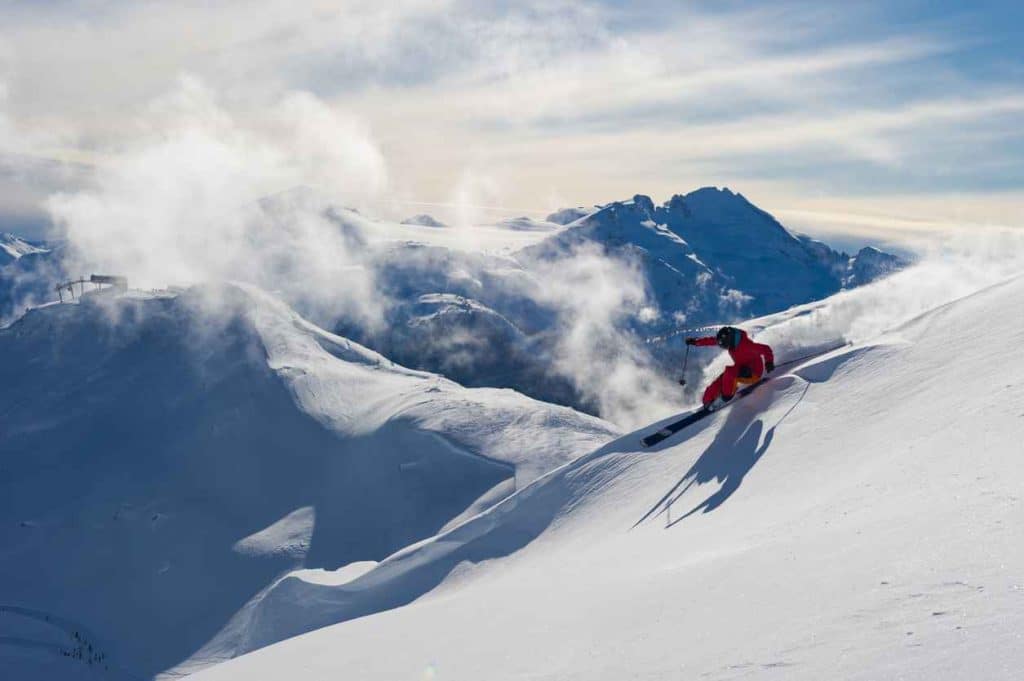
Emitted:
<point x="769" y="367"/>
<point x="691" y="341"/>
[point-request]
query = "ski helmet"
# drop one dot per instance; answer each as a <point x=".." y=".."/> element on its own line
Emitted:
<point x="728" y="337"/>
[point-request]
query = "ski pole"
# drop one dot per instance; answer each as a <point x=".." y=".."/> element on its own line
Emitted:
<point x="682" y="379"/>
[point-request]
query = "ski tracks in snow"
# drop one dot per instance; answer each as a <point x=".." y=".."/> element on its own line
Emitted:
<point x="741" y="440"/>
<point x="79" y="643"/>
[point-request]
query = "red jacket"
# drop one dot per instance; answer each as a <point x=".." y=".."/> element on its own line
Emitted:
<point x="747" y="353"/>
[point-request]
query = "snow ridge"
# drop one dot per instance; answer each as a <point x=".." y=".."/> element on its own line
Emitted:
<point x="167" y="458"/>
<point x="749" y="522"/>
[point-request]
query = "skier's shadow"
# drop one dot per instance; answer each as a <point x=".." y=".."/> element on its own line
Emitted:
<point x="727" y="460"/>
<point x="736" y="449"/>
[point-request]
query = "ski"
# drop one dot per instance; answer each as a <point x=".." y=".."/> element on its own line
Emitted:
<point x="674" y="427"/>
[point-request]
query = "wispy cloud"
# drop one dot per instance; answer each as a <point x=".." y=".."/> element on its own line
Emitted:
<point x="521" y="102"/>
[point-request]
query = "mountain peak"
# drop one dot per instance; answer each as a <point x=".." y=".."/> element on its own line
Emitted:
<point x="713" y="191"/>
<point x="13" y="247"/>
<point x="640" y="205"/>
<point x="565" y="216"/>
<point x="713" y="198"/>
<point x="717" y="232"/>
<point x="423" y="220"/>
<point x="643" y="202"/>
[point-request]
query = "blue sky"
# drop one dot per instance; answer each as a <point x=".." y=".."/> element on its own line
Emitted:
<point x="872" y="119"/>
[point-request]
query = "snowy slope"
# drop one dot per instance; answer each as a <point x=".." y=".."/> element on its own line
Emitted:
<point x="13" y="247"/>
<point x="165" y="459"/>
<point x="858" y="517"/>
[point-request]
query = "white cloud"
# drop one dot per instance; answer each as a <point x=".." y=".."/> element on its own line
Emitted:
<point x="579" y="100"/>
<point x="179" y="204"/>
<point x="595" y="296"/>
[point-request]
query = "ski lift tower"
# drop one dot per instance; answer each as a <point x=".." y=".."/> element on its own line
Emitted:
<point x="111" y="281"/>
<point x="117" y="282"/>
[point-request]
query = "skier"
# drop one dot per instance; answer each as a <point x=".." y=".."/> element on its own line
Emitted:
<point x="751" y="362"/>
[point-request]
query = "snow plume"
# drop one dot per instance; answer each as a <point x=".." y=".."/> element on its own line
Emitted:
<point x="957" y="265"/>
<point x="179" y="203"/>
<point x="595" y="296"/>
<point x="474" y="192"/>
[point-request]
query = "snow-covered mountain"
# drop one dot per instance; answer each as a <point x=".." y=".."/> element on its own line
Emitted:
<point x="528" y="224"/>
<point x="708" y="257"/>
<point x="500" y="316"/>
<point x="478" y="318"/>
<point x="29" y="279"/>
<point x="27" y="274"/>
<point x="167" y="458"/>
<point x="712" y="255"/>
<point x="423" y="220"/>
<point x="857" y="518"/>
<point x="564" y="216"/>
<point x="13" y="247"/>
<point x="868" y="264"/>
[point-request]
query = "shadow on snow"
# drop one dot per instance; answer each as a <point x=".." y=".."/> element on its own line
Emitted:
<point x="737" y="447"/>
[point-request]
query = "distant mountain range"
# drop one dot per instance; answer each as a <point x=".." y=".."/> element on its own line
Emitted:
<point x="497" y="319"/>
<point x="713" y="244"/>
<point x="707" y="257"/>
